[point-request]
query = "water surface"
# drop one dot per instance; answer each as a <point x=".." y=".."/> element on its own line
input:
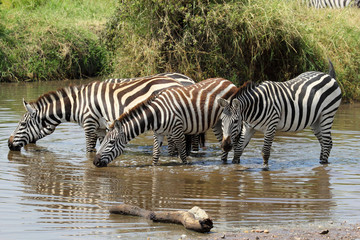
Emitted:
<point x="51" y="190"/>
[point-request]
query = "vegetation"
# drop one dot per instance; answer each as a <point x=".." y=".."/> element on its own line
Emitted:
<point x="239" y="40"/>
<point x="50" y="39"/>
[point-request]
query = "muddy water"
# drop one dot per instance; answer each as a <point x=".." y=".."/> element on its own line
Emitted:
<point x="51" y="190"/>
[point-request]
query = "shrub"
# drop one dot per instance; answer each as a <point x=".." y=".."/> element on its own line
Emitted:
<point x="240" y="40"/>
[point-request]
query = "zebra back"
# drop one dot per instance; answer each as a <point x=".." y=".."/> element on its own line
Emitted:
<point x="195" y="105"/>
<point x="181" y="78"/>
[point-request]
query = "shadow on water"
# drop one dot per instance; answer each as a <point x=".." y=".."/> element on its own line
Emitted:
<point x="52" y="188"/>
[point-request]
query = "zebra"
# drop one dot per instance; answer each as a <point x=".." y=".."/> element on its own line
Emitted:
<point x="176" y="111"/>
<point x="181" y="78"/>
<point x="310" y="99"/>
<point x="333" y="3"/>
<point x="195" y="141"/>
<point x="91" y="106"/>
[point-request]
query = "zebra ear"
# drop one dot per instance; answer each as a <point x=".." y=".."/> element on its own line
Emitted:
<point x="28" y="107"/>
<point x="236" y="103"/>
<point x="223" y="102"/>
<point x="103" y="123"/>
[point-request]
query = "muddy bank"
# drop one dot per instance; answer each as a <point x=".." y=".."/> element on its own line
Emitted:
<point x="330" y="231"/>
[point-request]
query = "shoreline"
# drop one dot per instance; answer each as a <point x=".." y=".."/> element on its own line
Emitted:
<point x="329" y="231"/>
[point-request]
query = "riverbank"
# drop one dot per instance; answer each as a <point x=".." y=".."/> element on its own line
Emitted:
<point x="242" y="40"/>
<point x="46" y="40"/>
<point x="330" y="231"/>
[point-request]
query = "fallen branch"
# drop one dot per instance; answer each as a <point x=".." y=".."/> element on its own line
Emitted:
<point x="195" y="219"/>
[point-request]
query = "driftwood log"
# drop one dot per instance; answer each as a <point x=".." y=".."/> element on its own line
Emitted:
<point x="195" y="219"/>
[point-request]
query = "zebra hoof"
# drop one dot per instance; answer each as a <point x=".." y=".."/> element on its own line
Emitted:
<point x="265" y="167"/>
<point x="236" y="161"/>
<point x="324" y="162"/>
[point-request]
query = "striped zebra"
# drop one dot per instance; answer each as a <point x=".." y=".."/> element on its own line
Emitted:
<point x="311" y="99"/>
<point x="181" y="78"/>
<point x="333" y="3"/>
<point x="176" y="111"/>
<point x="195" y="141"/>
<point x="91" y="106"/>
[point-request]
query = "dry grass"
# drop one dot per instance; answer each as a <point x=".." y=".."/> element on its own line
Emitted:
<point x="239" y="40"/>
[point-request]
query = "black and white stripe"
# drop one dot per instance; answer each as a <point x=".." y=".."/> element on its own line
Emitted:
<point x="333" y="3"/>
<point x="175" y="112"/>
<point x="91" y="106"/>
<point x="309" y="100"/>
<point x="181" y="78"/>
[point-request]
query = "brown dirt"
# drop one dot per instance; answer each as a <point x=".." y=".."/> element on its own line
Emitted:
<point x="342" y="231"/>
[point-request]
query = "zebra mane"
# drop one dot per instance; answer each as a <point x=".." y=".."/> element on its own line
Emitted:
<point x="249" y="85"/>
<point x="135" y="108"/>
<point x="59" y="93"/>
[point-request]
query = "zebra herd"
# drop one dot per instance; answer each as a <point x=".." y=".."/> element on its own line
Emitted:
<point x="171" y="104"/>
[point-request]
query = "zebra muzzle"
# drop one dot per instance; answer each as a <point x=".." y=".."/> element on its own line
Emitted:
<point x="226" y="145"/>
<point x="98" y="162"/>
<point x="11" y="145"/>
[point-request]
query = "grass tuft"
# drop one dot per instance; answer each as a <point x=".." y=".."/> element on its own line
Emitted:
<point x="48" y="39"/>
<point x="240" y="40"/>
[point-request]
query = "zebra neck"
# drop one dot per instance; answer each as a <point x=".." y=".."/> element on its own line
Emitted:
<point x="59" y="106"/>
<point x="249" y="101"/>
<point x="137" y="122"/>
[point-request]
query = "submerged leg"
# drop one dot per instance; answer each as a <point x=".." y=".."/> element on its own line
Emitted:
<point x="219" y="136"/>
<point x="90" y="135"/>
<point x="243" y="140"/>
<point x="268" y="140"/>
<point x="322" y="130"/>
<point x="171" y="147"/>
<point x="195" y="143"/>
<point x="158" y="140"/>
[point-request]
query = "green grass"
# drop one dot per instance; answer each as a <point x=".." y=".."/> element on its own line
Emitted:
<point x="49" y="39"/>
<point x="240" y="40"/>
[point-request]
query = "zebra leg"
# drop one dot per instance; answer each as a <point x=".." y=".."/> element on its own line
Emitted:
<point x="188" y="141"/>
<point x="242" y="141"/>
<point x="323" y="134"/>
<point x="158" y="140"/>
<point x="91" y="136"/>
<point x="219" y="135"/>
<point x="268" y="140"/>
<point x="171" y="147"/>
<point x="178" y="137"/>
<point x="195" y="143"/>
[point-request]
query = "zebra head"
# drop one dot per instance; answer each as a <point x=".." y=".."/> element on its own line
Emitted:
<point x="30" y="129"/>
<point x="230" y="119"/>
<point x="112" y="145"/>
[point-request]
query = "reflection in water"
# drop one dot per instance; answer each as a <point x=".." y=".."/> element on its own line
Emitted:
<point x="231" y="193"/>
<point x="53" y="189"/>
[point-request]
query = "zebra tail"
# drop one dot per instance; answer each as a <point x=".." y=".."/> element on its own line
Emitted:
<point x="331" y="70"/>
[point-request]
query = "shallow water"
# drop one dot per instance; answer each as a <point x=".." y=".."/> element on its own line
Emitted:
<point x="51" y="190"/>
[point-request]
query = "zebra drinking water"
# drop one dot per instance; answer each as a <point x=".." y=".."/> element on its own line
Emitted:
<point x="176" y="111"/>
<point x="195" y="141"/>
<point x="311" y="99"/>
<point x="90" y="105"/>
